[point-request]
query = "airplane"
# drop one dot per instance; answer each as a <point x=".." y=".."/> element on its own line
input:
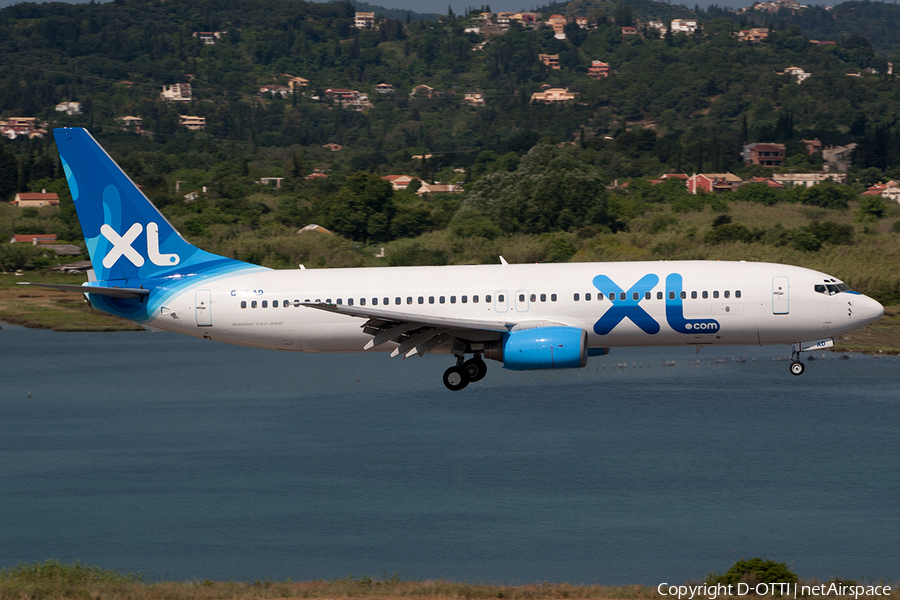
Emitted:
<point x="525" y="316"/>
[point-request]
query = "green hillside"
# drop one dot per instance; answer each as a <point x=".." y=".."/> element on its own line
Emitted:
<point x="538" y="179"/>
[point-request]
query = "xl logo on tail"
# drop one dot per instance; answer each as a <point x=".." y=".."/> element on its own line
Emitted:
<point x="122" y="246"/>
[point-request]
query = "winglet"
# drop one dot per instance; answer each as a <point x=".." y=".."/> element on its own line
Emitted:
<point x="503" y="261"/>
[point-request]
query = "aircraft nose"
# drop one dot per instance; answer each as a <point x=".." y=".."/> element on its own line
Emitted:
<point x="868" y="310"/>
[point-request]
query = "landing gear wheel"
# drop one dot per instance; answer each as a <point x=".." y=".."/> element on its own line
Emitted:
<point x="456" y="378"/>
<point x="797" y="368"/>
<point x="475" y="368"/>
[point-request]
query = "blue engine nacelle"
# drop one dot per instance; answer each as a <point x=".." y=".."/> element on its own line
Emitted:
<point x="541" y="348"/>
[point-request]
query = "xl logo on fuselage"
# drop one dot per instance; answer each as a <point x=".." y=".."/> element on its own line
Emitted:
<point x="626" y="305"/>
<point x="122" y="246"/>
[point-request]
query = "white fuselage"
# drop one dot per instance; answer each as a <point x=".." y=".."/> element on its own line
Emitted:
<point x="734" y="303"/>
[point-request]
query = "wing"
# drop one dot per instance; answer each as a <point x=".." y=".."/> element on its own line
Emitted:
<point x="113" y="292"/>
<point x="415" y="333"/>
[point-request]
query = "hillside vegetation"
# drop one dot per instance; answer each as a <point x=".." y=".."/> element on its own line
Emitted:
<point x="542" y="182"/>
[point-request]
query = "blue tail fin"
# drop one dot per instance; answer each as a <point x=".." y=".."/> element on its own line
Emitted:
<point x="127" y="237"/>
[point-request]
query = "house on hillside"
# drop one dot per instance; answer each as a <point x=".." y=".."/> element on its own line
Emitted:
<point x="797" y="73"/>
<point x="35" y="200"/>
<point x="558" y="23"/>
<point x="713" y="182"/>
<point x="275" y="90"/>
<point x="474" y="98"/>
<point x="177" y="92"/>
<point x="629" y="31"/>
<point x="812" y="146"/>
<point x="766" y="155"/>
<point x="192" y="123"/>
<point x="684" y="25"/>
<point x="598" y="69"/>
<point x="14" y="127"/>
<point x="551" y="95"/>
<point x="131" y="124"/>
<point x="422" y="91"/>
<point x="33" y="238"/>
<point x="384" y="88"/>
<point x="364" y="20"/>
<point x="551" y="60"/>
<point x="809" y="179"/>
<point x="438" y="188"/>
<point x="297" y="84"/>
<point x="70" y="108"/>
<point x="582" y="22"/>
<point x="399" y="182"/>
<point x="888" y="191"/>
<point x="837" y="158"/>
<point x="208" y="37"/>
<point x="754" y="34"/>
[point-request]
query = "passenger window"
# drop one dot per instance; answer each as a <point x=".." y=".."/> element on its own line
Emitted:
<point x="659" y="296"/>
<point x="430" y="299"/>
<point x="253" y="304"/>
<point x="587" y="296"/>
<point x="274" y="303"/>
<point x="339" y="301"/>
<point x="488" y="298"/>
<point x="475" y="299"/>
<point x="328" y="300"/>
<point x="552" y="297"/>
<point x="521" y="297"/>
<point x="737" y="293"/>
<point x="442" y="299"/>
<point x="621" y="295"/>
<point x="705" y="295"/>
<point x="683" y="295"/>
<point x="374" y="301"/>
<point x="464" y="299"/>
<point x="693" y="295"/>
<point x="397" y="300"/>
<point x="533" y="297"/>
<point x="362" y="301"/>
<point x="727" y="293"/>
<point x="635" y="295"/>
<point x="421" y="299"/>
<point x="265" y="304"/>
<point x="243" y="304"/>
<point x="671" y="295"/>
<point x="349" y="301"/>
<point x="385" y="301"/>
<point x="576" y="297"/>
<point x="716" y="294"/>
<point x="409" y="299"/>
<point x="647" y="296"/>
<point x="543" y="297"/>
<point x="599" y="295"/>
<point x="452" y="299"/>
<point x="287" y="303"/>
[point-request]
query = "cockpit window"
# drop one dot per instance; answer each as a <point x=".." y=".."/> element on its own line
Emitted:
<point x="830" y="289"/>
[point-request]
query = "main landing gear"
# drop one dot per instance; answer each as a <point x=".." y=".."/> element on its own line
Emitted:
<point x="797" y="366"/>
<point x="464" y="372"/>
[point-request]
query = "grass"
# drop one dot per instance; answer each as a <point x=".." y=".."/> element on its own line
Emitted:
<point x="52" y="580"/>
<point x="51" y="309"/>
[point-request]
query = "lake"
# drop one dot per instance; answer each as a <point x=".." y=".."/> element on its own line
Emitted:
<point x="186" y="459"/>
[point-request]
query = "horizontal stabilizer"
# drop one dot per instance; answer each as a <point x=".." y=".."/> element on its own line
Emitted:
<point x="112" y="292"/>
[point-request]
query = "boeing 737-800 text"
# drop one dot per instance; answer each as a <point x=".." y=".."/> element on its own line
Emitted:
<point x="540" y="316"/>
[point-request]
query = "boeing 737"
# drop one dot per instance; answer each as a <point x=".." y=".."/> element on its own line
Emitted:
<point x="534" y="316"/>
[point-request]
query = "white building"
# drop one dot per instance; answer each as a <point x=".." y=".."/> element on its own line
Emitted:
<point x="177" y="92"/>
<point x="70" y="108"/>
<point x="684" y="25"/>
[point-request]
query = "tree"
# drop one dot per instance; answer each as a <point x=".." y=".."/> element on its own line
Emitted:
<point x="362" y="209"/>
<point x="755" y="570"/>
<point x="827" y="195"/>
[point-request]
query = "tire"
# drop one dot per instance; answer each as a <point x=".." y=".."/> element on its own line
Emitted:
<point x="456" y="378"/>
<point x="797" y="368"/>
<point x="476" y="369"/>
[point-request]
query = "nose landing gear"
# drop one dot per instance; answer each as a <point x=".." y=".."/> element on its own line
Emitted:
<point x="797" y="366"/>
<point x="464" y="372"/>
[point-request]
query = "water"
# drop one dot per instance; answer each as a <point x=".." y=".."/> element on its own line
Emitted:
<point x="184" y="459"/>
